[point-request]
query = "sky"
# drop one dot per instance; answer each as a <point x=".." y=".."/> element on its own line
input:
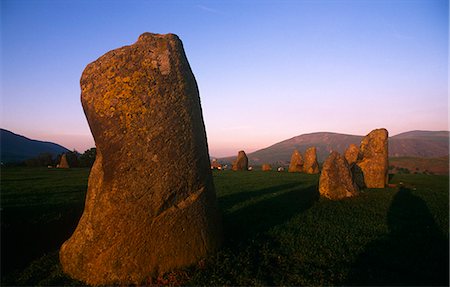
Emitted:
<point x="266" y="70"/>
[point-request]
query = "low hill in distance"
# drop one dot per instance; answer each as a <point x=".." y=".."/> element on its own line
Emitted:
<point x="415" y="144"/>
<point x="17" y="148"/>
<point x="419" y="165"/>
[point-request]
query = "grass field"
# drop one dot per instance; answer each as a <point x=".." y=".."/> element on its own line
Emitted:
<point x="277" y="231"/>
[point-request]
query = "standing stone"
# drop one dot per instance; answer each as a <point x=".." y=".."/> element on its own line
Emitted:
<point x="266" y="167"/>
<point x="63" y="163"/>
<point x="352" y="154"/>
<point x="311" y="166"/>
<point x="151" y="205"/>
<point x="336" y="179"/>
<point x="296" y="164"/>
<point x="241" y="163"/>
<point x="374" y="159"/>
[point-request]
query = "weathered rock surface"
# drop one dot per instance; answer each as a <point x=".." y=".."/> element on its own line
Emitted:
<point x="296" y="164"/>
<point x="266" y="167"/>
<point x="311" y="166"/>
<point x="336" y="179"/>
<point x="374" y="159"/>
<point x="352" y="154"/>
<point x="241" y="162"/>
<point x="151" y="205"/>
<point x="63" y="163"/>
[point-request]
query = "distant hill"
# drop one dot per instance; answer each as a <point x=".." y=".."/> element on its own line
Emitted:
<point x="428" y="144"/>
<point x="17" y="148"/>
<point x="419" y="165"/>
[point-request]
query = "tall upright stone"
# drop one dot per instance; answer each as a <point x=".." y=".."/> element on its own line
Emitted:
<point x="241" y="162"/>
<point x="374" y="159"/>
<point x="296" y="164"/>
<point x="63" y="163"/>
<point x="336" y="180"/>
<point x="311" y="166"/>
<point x="151" y="205"/>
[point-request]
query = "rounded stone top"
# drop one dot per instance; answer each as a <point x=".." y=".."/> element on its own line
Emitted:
<point x="150" y="36"/>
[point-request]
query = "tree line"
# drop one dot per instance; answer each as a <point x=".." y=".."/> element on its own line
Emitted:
<point x="74" y="158"/>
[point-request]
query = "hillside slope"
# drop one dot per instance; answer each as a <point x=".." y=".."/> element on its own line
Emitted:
<point x="17" y="148"/>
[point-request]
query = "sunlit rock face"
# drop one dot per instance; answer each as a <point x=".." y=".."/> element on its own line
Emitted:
<point x="374" y="159"/>
<point x="241" y="162"/>
<point x="351" y="154"/>
<point x="336" y="180"/>
<point x="311" y="166"/>
<point x="63" y="163"/>
<point x="151" y="205"/>
<point x="296" y="164"/>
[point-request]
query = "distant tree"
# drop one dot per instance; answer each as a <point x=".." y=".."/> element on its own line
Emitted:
<point x="87" y="158"/>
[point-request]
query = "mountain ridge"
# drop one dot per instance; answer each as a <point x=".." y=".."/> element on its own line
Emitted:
<point x="18" y="148"/>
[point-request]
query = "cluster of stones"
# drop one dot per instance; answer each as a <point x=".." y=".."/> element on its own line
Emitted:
<point x="363" y="167"/>
<point x="308" y="165"/>
<point x="151" y="205"/>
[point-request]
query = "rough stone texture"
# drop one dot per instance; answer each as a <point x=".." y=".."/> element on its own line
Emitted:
<point x="266" y="167"/>
<point x="63" y="163"/>
<point x="296" y="164"/>
<point x="352" y="154"/>
<point x="151" y="205"/>
<point x="311" y="166"/>
<point x="241" y="162"/>
<point x="336" y="179"/>
<point x="374" y="159"/>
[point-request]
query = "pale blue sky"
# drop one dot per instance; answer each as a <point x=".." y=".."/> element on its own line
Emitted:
<point x="266" y="70"/>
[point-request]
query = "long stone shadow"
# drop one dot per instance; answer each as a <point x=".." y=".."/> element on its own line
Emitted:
<point x="255" y="219"/>
<point x="230" y="200"/>
<point x="23" y="240"/>
<point x="415" y="252"/>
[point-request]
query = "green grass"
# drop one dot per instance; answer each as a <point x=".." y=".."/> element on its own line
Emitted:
<point x="277" y="230"/>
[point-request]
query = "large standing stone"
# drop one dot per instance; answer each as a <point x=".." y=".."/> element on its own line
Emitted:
<point x="311" y="166"/>
<point x="352" y="154"/>
<point x="151" y="205"/>
<point x="336" y="178"/>
<point x="374" y="158"/>
<point x="241" y="162"/>
<point x="63" y="163"/>
<point x="296" y="164"/>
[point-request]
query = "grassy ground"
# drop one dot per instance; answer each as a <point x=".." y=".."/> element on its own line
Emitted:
<point x="277" y="231"/>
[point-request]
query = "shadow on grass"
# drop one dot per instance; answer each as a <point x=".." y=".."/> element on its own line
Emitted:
<point x="257" y="218"/>
<point x="230" y="200"/>
<point x="415" y="252"/>
<point x="23" y="240"/>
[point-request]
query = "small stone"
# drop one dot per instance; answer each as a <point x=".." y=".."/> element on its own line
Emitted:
<point x="63" y="163"/>
<point x="241" y="163"/>
<point x="311" y="166"/>
<point x="296" y="164"/>
<point x="336" y="178"/>
<point x="266" y="167"/>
